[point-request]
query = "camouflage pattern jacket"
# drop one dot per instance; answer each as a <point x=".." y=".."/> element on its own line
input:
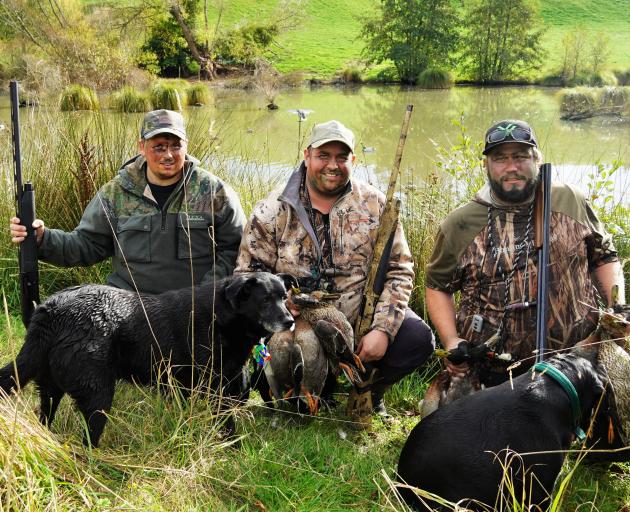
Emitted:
<point x="198" y="231"/>
<point x="463" y="262"/>
<point x="279" y="238"/>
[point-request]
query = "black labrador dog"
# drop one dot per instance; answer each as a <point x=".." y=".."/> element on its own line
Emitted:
<point x="83" y="339"/>
<point x="459" y="451"/>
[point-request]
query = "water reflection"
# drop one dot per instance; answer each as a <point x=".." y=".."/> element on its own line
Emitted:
<point x="245" y="131"/>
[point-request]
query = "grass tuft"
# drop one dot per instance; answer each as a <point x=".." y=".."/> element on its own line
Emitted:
<point x="167" y="95"/>
<point x="435" y="78"/>
<point x="78" y="97"/>
<point x="198" y="94"/>
<point x="130" y="100"/>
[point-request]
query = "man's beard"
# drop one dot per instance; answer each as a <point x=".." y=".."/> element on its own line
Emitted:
<point x="515" y="195"/>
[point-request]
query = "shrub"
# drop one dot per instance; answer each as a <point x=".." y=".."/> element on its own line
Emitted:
<point x="198" y="94"/>
<point x="623" y="77"/>
<point x="351" y="75"/>
<point x="553" y="80"/>
<point x="129" y="100"/>
<point x="435" y="78"/>
<point x="601" y="79"/>
<point x="77" y="97"/>
<point x="166" y="95"/>
<point x="577" y="101"/>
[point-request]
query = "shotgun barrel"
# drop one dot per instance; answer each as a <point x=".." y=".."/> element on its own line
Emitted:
<point x="25" y="207"/>
<point x="543" y="216"/>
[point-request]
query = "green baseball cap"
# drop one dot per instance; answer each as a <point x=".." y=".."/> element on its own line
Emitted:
<point x="163" y="121"/>
<point x="329" y="132"/>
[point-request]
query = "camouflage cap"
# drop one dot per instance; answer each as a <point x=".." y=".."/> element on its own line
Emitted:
<point x="163" y="121"/>
<point x="329" y="132"/>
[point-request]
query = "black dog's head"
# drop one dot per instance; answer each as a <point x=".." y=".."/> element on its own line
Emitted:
<point x="260" y="297"/>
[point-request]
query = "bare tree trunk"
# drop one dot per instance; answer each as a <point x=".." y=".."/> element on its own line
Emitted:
<point x="206" y="64"/>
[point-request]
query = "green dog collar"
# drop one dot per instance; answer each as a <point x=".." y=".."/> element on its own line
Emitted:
<point x="560" y="378"/>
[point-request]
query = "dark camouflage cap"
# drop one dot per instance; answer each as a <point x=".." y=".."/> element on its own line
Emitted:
<point x="509" y="130"/>
<point x="163" y="121"/>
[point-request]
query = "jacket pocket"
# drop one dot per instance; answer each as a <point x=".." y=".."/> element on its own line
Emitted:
<point x="134" y="236"/>
<point x="194" y="236"/>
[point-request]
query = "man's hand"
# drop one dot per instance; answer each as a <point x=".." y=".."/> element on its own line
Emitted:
<point x="18" y="231"/>
<point x="373" y="346"/>
<point x="455" y="370"/>
<point x="293" y="309"/>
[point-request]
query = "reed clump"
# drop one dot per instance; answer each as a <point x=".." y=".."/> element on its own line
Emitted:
<point x="198" y="94"/>
<point x="167" y="95"/>
<point x="130" y="100"/>
<point x="78" y="97"/>
<point x="435" y="78"/>
<point x="352" y="75"/>
<point x="584" y="102"/>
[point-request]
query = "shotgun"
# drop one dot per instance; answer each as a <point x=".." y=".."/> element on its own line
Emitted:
<point x="25" y="206"/>
<point x="384" y="241"/>
<point x="541" y="241"/>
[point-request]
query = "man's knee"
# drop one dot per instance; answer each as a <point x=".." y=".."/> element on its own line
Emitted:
<point x="412" y="346"/>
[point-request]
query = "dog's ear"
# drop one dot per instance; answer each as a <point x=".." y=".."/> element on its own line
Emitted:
<point x="288" y="280"/>
<point x="240" y="286"/>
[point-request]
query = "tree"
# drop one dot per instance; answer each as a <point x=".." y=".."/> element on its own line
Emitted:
<point x="413" y="34"/>
<point x="501" y="40"/>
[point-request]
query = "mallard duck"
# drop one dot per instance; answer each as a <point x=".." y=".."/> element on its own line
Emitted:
<point x="322" y="342"/>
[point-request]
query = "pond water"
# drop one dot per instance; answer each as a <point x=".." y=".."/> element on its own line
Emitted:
<point x="375" y="115"/>
<point x="249" y="133"/>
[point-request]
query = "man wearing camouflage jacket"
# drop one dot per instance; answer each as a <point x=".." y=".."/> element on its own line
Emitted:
<point x="484" y="249"/>
<point x="165" y="222"/>
<point x="321" y="227"/>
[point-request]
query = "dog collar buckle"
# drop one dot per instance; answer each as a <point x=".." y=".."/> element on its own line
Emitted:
<point x="579" y="434"/>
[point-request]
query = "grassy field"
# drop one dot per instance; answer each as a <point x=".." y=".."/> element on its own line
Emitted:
<point x="162" y="453"/>
<point x="326" y="39"/>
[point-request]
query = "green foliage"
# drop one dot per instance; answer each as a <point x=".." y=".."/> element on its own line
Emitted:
<point x="63" y="38"/>
<point x="165" y="51"/>
<point x="149" y="61"/>
<point x="198" y="94"/>
<point x="130" y="100"/>
<point x="413" y="34"/>
<point x="435" y="78"/>
<point x="78" y="97"/>
<point x="502" y="39"/>
<point x="584" y="57"/>
<point x="167" y="95"/>
<point x="245" y="44"/>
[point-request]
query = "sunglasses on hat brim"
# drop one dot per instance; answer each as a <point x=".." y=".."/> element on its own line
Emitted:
<point x="509" y="132"/>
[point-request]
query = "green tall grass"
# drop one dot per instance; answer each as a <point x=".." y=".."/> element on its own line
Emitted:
<point x="129" y="100"/>
<point x="435" y="78"/>
<point x="168" y="94"/>
<point x="198" y="94"/>
<point x="78" y="97"/>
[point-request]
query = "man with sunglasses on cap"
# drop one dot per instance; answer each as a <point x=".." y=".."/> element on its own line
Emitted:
<point x="321" y="227"/>
<point x="166" y="222"/>
<point x="485" y="250"/>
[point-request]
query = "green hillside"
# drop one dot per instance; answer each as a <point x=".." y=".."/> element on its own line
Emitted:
<point x="327" y="37"/>
<point x="611" y="17"/>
